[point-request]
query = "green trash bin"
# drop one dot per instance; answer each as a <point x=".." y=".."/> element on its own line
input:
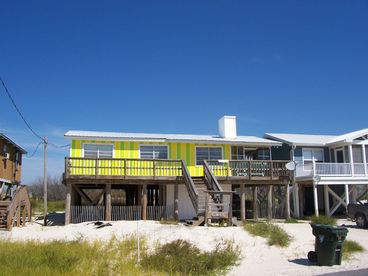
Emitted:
<point x="328" y="244"/>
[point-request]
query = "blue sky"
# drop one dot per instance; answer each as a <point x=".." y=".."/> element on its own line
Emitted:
<point x="178" y="66"/>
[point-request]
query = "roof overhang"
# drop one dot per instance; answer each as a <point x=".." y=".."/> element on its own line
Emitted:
<point x="160" y="138"/>
<point x="7" y="139"/>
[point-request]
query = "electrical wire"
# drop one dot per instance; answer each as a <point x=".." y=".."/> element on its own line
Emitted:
<point x="30" y="156"/>
<point x="18" y="111"/>
<point x="43" y="140"/>
<point x="58" y="146"/>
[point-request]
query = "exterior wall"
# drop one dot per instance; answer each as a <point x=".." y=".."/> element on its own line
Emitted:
<point x="9" y="170"/>
<point x="281" y="153"/>
<point x="298" y="153"/>
<point x="176" y="151"/>
<point x="185" y="206"/>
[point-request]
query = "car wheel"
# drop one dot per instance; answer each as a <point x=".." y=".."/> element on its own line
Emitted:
<point x="361" y="220"/>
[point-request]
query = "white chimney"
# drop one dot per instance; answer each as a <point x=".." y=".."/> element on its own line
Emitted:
<point x="227" y="127"/>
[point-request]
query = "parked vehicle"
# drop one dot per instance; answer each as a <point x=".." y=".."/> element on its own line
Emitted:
<point x="359" y="213"/>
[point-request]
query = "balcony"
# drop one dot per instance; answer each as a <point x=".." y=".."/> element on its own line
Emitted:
<point x="326" y="173"/>
<point x="250" y="169"/>
<point x="110" y="168"/>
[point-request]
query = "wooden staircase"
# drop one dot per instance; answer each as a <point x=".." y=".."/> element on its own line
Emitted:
<point x="16" y="211"/>
<point x="4" y="213"/>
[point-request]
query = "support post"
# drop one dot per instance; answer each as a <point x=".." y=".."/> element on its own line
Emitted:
<point x="255" y="203"/>
<point x="301" y="200"/>
<point x="269" y="202"/>
<point x="242" y="202"/>
<point x="144" y="205"/>
<point x="351" y="158"/>
<point x="354" y="193"/>
<point x="108" y="202"/>
<point x="68" y="203"/>
<point x="296" y="199"/>
<point x="347" y="196"/>
<point x="327" y="200"/>
<point x="176" y="201"/>
<point x="364" y="160"/>
<point x="287" y="201"/>
<point x="45" y="181"/>
<point x="315" y="196"/>
<point x="18" y="215"/>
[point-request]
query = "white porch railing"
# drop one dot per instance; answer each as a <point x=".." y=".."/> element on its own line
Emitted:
<point x="331" y="169"/>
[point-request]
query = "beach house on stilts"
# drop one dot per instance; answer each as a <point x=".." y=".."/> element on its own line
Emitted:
<point x="331" y="171"/>
<point x="130" y="176"/>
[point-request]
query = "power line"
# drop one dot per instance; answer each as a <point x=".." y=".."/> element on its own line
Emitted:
<point x="58" y="146"/>
<point x="35" y="150"/>
<point x="18" y="111"/>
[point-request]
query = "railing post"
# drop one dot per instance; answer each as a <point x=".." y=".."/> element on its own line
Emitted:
<point x="125" y="168"/>
<point x="96" y="167"/>
<point x="271" y="169"/>
<point x="249" y="170"/>
<point x="313" y="166"/>
<point x="351" y="159"/>
<point x="364" y="160"/>
<point x="67" y="172"/>
<point x="154" y="168"/>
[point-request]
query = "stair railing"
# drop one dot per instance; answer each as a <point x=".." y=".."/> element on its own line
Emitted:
<point x="192" y="190"/>
<point x="21" y="199"/>
<point x="210" y="178"/>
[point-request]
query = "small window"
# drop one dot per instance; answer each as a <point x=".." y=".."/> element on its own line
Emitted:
<point x="153" y="152"/>
<point x="263" y="154"/>
<point x="98" y="151"/>
<point x="309" y="154"/>
<point x="207" y="153"/>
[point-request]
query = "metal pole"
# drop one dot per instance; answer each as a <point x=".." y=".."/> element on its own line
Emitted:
<point x="45" y="181"/>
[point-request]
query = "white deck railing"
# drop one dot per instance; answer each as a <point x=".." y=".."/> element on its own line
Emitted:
<point x="331" y="169"/>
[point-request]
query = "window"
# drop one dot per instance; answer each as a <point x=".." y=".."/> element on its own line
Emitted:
<point x="207" y="153"/>
<point x="309" y="154"/>
<point x="263" y="154"/>
<point x="98" y="151"/>
<point x="153" y="152"/>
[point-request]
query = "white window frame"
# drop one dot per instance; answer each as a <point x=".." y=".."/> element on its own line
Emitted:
<point x="195" y="153"/>
<point x="313" y="149"/>
<point x="99" y="144"/>
<point x="154" y="145"/>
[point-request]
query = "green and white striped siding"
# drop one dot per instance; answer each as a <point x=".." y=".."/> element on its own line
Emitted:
<point x="130" y="149"/>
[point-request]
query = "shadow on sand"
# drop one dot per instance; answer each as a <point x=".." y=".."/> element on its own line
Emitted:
<point x="302" y="261"/>
<point x="53" y="219"/>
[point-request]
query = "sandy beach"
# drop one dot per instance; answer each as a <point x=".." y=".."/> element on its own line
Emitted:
<point x="257" y="257"/>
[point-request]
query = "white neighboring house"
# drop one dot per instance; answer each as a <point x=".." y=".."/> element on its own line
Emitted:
<point x="331" y="171"/>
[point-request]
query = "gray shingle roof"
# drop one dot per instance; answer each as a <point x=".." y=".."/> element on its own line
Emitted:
<point x="97" y="135"/>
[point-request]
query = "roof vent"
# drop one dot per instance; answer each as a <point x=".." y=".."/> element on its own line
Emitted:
<point x="227" y="127"/>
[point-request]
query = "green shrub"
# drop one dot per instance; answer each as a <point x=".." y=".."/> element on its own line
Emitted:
<point x="169" y="221"/>
<point x="183" y="258"/>
<point x="323" y="220"/>
<point x="70" y="258"/>
<point x="351" y="247"/>
<point x="274" y="234"/>
<point x="291" y="220"/>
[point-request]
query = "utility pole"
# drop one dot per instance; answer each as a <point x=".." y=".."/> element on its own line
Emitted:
<point x="45" y="181"/>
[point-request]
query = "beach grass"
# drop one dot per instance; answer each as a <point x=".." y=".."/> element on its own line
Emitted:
<point x="350" y="247"/>
<point x="113" y="257"/>
<point x="323" y="220"/>
<point x="183" y="258"/>
<point x="274" y="234"/>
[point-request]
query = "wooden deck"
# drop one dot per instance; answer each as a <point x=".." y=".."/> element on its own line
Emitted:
<point x="139" y="171"/>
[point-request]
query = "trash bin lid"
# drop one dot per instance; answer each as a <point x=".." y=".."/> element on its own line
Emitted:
<point x="330" y="229"/>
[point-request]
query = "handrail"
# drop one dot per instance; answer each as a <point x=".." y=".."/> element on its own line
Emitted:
<point x="249" y="168"/>
<point x="20" y="199"/>
<point x="211" y="181"/>
<point x="192" y="190"/>
<point x="122" y="167"/>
